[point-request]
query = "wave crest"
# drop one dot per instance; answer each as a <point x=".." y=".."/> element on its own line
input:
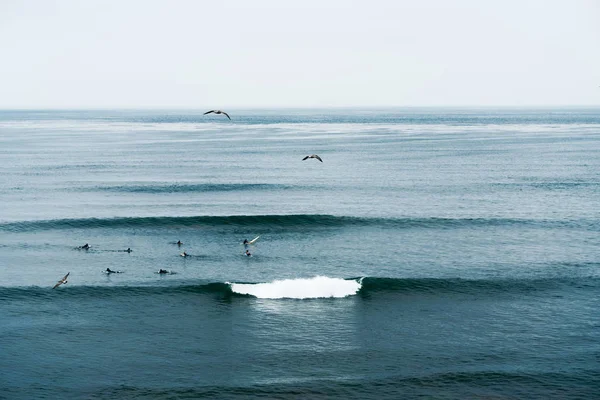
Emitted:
<point x="304" y="221"/>
<point x="302" y="288"/>
<point x="187" y="188"/>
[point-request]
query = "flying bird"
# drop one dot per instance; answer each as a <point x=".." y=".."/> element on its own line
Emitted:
<point x="313" y="156"/>
<point x="63" y="280"/>
<point x="217" y="112"/>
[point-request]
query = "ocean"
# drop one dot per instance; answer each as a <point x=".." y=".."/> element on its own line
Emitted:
<point x="435" y="253"/>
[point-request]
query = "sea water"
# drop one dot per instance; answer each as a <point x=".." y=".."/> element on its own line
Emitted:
<point x="434" y="253"/>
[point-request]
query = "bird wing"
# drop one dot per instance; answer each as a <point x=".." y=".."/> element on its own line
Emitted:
<point x="63" y="280"/>
<point x="208" y="112"/>
<point x="226" y="114"/>
<point x="318" y="158"/>
<point x="305" y="158"/>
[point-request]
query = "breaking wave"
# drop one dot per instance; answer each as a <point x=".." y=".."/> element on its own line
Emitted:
<point x="318" y="287"/>
<point x="308" y="288"/>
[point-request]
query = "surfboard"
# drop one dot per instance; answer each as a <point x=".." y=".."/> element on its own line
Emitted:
<point x="253" y="240"/>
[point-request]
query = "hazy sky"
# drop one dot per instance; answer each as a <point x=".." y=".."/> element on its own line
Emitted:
<point x="262" y="53"/>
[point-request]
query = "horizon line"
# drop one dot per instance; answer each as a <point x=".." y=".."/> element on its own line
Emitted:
<point x="239" y="107"/>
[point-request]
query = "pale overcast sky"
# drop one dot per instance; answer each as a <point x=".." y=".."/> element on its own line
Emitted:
<point x="263" y="53"/>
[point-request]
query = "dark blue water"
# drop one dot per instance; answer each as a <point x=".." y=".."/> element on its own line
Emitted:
<point x="435" y="253"/>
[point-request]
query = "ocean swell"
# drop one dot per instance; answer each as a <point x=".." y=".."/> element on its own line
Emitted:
<point x="305" y="221"/>
<point x="186" y="188"/>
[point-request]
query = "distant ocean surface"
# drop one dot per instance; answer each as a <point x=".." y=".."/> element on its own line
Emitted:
<point x="433" y="254"/>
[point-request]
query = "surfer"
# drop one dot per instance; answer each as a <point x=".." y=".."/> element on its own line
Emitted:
<point x="179" y="243"/>
<point x="85" y="247"/>
<point x="184" y="254"/>
<point x="110" y="271"/>
<point x="163" y="271"/>
<point x="247" y="242"/>
<point x="129" y="250"/>
<point x="248" y="253"/>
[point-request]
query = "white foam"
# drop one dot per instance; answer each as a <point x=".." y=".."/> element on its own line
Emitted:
<point x="306" y="288"/>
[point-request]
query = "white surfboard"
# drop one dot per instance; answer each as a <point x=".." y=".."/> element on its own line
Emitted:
<point x="251" y="241"/>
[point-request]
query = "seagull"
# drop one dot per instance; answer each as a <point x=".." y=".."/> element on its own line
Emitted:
<point x="63" y="280"/>
<point x="313" y="156"/>
<point x="217" y="112"/>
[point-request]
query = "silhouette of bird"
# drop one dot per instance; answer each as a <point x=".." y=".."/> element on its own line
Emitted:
<point x="217" y="112"/>
<point x="313" y="156"/>
<point x="63" y="280"/>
